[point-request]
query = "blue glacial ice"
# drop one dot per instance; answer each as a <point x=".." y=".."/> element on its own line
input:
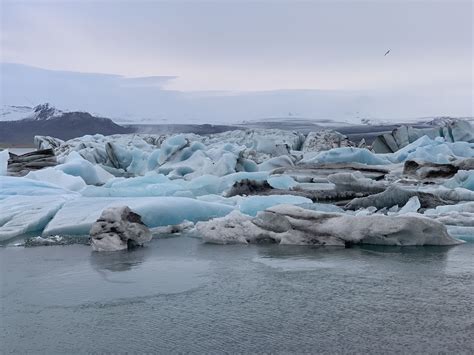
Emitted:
<point x="4" y="156"/>
<point x="463" y="179"/>
<point x="20" y="214"/>
<point x="76" y="216"/>
<point x="76" y="165"/>
<point x="10" y="185"/>
<point x="431" y="150"/>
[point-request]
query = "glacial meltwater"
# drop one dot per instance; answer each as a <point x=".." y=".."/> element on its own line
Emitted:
<point x="178" y="295"/>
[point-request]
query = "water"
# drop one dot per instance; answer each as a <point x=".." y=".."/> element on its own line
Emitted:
<point x="179" y="295"/>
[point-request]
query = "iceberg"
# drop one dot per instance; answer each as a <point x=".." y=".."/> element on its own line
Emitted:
<point x="118" y="228"/>
<point x="412" y="206"/>
<point x="24" y="214"/>
<point x="12" y="185"/>
<point x="453" y="131"/>
<point x="58" y="178"/>
<point x="76" y="165"/>
<point x="77" y="216"/>
<point x="287" y="224"/>
<point x="346" y="155"/>
<point x="242" y="178"/>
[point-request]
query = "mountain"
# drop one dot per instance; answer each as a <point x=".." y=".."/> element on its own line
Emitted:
<point x="37" y="113"/>
<point x="47" y="120"/>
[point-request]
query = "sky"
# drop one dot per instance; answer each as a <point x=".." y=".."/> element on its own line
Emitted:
<point x="273" y="56"/>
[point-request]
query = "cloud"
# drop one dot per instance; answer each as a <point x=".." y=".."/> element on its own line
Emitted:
<point x="244" y="46"/>
<point x="150" y="99"/>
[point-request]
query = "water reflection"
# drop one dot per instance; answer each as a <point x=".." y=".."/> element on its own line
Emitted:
<point x="118" y="261"/>
<point x="292" y="257"/>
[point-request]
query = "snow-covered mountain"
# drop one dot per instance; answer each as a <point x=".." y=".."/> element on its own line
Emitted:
<point x="37" y="113"/>
<point x="19" y="124"/>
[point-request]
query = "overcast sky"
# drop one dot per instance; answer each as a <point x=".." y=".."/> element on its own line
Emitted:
<point x="253" y="46"/>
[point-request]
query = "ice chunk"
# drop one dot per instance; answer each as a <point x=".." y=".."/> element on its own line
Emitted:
<point x="277" y="162"/>
<point x="253" y="204"/>
<point x="395" y="195"/>
<point x="170" y="146"/>
<point x="412" y="205"/>
<point x="452" y="131"/>
<point x="75" y="165"/>
<point x="24" y="214"/>
<point x="286" y="224"/>
<point x="283" y="182"/>
<point x="235" y="228"/>
<point x="118" y="228"/>
<point x="76" y="217"/>
<point x="459" y="219"/>
<point x="4" y="156"/>
<point x="325" y="140"/>
<point x="11" y="185"/>
<point x="57" y="177"/>
<point x="355" y="182"/>
<point x="463" y="178"/>
<point x="346" y="155"/>
<point x="460" y="207"/>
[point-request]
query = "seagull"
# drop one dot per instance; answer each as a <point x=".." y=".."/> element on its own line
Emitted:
<point x="387" y="52"/>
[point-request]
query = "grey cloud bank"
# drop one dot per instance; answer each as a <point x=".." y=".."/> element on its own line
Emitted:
<point x="146" y="99"/>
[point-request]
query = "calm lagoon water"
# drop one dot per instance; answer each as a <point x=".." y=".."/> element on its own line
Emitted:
<point x="178" y="295"/>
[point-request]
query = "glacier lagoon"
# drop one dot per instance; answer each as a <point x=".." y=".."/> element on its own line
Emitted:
<point x="180" y="295"/>
<point x="341" y="246"/>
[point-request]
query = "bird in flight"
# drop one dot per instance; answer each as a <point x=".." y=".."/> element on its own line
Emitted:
<point x="387" y="52"/>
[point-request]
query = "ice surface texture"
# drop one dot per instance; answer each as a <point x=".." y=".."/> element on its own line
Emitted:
<point x="171" y="179"/>
<point x="118" y="228"/>
<point x="286" y="224"/>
